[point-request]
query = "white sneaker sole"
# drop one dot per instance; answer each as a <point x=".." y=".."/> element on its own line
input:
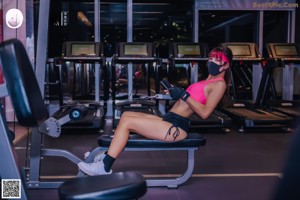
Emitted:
<point x="82" y="168"/>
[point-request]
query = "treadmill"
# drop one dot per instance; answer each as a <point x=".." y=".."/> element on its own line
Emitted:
<point x="129" y="54"/>
<point x="288" y="56"/>
<point x="86" y="62"/>
<point x="195" y="55"/>
<point x="247" y="114"/>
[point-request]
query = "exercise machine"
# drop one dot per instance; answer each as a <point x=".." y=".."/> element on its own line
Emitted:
<point x="85" y="64"/>
<point x="288" y="57"/>
<point x="128" y="55"/>
<point x="192" y="55"/>
<point x="248" y="114"/>
<point x="30" y="110"/>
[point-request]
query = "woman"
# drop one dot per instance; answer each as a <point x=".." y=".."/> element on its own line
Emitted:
<point x="200" y="98"/>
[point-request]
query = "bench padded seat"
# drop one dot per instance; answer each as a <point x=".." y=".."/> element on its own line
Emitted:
<point x="135" y="140"/>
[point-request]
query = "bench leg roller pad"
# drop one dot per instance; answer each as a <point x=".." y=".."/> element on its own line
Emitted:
<point x="121" y="185"/>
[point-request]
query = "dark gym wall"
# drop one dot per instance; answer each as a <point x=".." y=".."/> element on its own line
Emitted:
<point x="297" y="31"/>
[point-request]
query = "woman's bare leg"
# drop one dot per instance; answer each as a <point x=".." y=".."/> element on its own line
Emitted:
<point x="148" y="125"/>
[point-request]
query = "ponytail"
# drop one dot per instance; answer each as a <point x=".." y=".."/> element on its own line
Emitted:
<point x="224" y="102"/>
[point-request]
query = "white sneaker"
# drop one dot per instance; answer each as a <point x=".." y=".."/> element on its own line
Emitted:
<point x="93" y="169"/>
<point x="86" y="154"/>
<point x="99" y="157"/>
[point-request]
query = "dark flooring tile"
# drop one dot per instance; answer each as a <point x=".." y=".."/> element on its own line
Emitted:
<point x="204" y="188"/>
<point x="228" y="188"/>
<point x="43" y="194"/>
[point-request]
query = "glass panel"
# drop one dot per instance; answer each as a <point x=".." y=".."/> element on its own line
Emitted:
<point x="113" y="26"/>
<point x="274" y="24"/>
<point x="69" y="21"/>
<point x="227" y="26"/>
<point x="73" y="20"/>
<point x="162" y="22"/>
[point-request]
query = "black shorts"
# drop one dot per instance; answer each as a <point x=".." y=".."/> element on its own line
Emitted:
<point x="177" y="121"/>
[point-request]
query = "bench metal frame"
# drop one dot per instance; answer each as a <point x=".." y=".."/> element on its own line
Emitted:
<point x="33" y="177"/>
<point x="167" y="182"/>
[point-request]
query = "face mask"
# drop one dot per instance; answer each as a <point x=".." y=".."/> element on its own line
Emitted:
<point x="213" y="68"/>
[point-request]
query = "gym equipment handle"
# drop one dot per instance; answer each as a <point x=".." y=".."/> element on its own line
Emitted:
<point x="166" y="84"/>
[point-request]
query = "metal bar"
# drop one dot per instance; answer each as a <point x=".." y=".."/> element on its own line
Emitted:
<point x="175" y="182"/>
<point x="8" y="166"/>
<point x="43" y="184"/>
<point x="61" y="153"/>
<point x="97" y="39"/>
<point x="293" y="25"/>
<point x="97" y="20"/>
<point x="129" y="39"/>
<point x="130" y="80"/>
<point x="288" y="39"/>
<point x="35" y="155"/>
<point x="168" y="182"/>
<point x="42" y="43"/>
<point x="195" y="22"/>
<point x="41" y="60"/>
<point x="129" y="21"/>
<point x="97" y="81"/>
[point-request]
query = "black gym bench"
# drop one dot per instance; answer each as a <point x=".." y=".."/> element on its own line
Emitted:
<point x="136" y="142"/>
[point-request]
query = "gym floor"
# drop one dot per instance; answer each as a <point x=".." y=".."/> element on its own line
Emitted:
<point x="231" y="166"/>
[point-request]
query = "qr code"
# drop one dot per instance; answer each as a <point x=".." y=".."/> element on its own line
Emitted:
<point x="11" y="188"/>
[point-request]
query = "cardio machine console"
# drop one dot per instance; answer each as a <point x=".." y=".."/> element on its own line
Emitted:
<point x="78" y="50"/>
<point x="284" y="51"/>
<point x="188" y="51"/>
<point x="135" y="51"/>
<point x="244" y="51"/>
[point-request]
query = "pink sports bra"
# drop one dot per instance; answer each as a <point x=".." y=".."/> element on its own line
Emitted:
<point x="196" y="90"/>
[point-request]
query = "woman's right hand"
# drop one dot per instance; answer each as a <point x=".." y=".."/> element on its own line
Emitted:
<point x="176" y="92"/>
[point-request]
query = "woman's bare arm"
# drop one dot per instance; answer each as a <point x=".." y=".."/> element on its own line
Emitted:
<point x="213" y="95"/>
